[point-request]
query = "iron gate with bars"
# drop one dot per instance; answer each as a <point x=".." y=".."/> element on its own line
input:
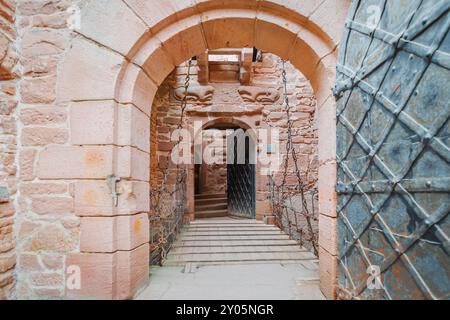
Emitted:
<point x="393" y="150"/>
<point x="241" y="186"/>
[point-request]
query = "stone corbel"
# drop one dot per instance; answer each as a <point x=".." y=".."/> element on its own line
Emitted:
<point x="259" y="94"/>
<point x="195" y="93"/>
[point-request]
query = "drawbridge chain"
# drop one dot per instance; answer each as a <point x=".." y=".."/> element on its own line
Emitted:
<point x="167" y="201"/>
<point x="289" y="200"/>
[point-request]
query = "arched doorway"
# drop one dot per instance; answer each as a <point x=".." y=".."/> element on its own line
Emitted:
<point x="238" y="166"/>
<point x="122" y="65"/>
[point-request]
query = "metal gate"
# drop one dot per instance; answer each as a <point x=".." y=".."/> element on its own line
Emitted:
<point x="241" y="181"/>
<point x="393" y="150"/>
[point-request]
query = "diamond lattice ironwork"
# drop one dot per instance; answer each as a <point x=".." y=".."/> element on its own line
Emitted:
<point x="393" y="149"/>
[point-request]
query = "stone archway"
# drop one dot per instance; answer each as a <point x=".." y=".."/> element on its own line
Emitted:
<point x="109" y="77"/>
<point x="219" y="171"/>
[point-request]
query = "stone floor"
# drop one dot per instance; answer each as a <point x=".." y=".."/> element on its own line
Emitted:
<point x="234" y="259"/>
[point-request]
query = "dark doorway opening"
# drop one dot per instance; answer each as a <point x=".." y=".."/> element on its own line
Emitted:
<point x="241" y="172"/>
<point x="228" y="189"/>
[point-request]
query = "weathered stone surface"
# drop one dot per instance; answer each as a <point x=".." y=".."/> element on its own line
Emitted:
<point x="9" y="74"/>
<point x="38" y="90"/>
<point x="92" y="123"/>
<point x="74" y="162"/>
<point x="89" y="72"/>
<point x="27" y="162"/>
<point x="41" y="136"/>
<point x="195" y="93"/>
<point x="93" y="198"/>
<point x="50" y="238"/>
<point x="31" y="189"/>
<point x="258" y="94"/>
<point x="118" y="233"/>
<point x="52" y="205"/>
<point x="43" y="116"/>
<point x="129" y="268"/>
<point x="100" y="25"/>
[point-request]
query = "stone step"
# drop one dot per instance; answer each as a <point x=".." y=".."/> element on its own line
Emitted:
<point x="235" y="249"/>
<point x="220" y="233"/>
<point x="238" y="262"/>
<point x="236" y="237"/>
<point x="242" y="257"/>
<point x="210" y="195"/>
<point x="227" y="221"/>
<point x="211" y="207"/>
<point x="211" y="214"/>
<point x="231" y="228"/>
<point x="200" y="202"/>
<point x="234" y="243"/>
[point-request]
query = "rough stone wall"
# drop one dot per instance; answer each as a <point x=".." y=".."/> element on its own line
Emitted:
<point x="47" y="228"/>
<point x="227" y="103"/>
<point x="305" y="140"/>
<point x="9" y="74"/>
<point x="213" y="177"/>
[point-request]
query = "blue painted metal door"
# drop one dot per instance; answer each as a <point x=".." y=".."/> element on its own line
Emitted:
<point x="393" y="150"/>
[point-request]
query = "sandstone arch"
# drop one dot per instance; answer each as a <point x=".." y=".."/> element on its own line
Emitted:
<point x="111" y="72"/>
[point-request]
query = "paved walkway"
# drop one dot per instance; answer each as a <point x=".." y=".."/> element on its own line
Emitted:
<point x="234" y="259"/>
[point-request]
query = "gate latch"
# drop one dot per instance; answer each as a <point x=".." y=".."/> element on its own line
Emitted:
<point x="112" y="183"/>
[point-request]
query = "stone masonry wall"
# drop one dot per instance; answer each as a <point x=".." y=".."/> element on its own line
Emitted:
<point x="47" y="228"/>
<point x="213" y="177"/>
<point x="9" y="74"/>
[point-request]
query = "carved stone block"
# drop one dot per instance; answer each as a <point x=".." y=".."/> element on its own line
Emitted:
<point x="195" y="93"/>
<point x="259" y="94"/>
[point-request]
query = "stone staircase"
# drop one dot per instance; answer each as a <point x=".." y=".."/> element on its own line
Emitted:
<point x="228" y="241"/>
<point x="211" y="206"/>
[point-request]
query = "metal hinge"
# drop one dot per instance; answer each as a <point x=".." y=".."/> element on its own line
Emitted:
<point x="112" y="183"/>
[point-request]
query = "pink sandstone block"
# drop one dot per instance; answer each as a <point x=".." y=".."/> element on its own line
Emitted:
<point x="97" y="275"/>
<point x="134" y="128"/>
<point x="137" y="88"/>
<point x="328" y="274"/>
<point x="117" y="233"/>
<point x="75" y="162"/>
<point x="101" y="25"/>
<point x="93" y="198"/>
<point x="327" y="190"/>
<point x="134" y="164"/>
<point x="116" y="275"/>
<point x="186" y="34"/>
<point x="328" y="234"/>
<point x="154" y="60"/>
<point x="132" y="271"/>
<point x="92" y="122"/>
<point x="88" y="72"/>
<point x="155" y="13"/>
